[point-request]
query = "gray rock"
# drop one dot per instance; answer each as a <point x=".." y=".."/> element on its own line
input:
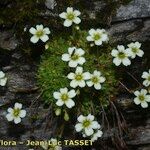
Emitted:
<point x="142" y="34"/>
<point x="21" y="81"/>
<point x="140" y="135"/>
<point x="50" y="4"/>
<point x="135" y="9"/>
<point x="8" y="40"/>
<point x="120" y="31"/>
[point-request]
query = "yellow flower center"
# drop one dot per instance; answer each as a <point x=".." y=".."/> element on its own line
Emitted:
<point x="148" y="78"/>
<point x="97" y="36"/>
<point x="79" y="77"/>
<point x="95" y="79"/>
<point x="39" y="33"/>
<point x="86" y="123"/>
<point x="75" y="57"/>
<point x="16" y="112"/>
<point x="135" y="50"/>
<point x="121" y="55"/>
<point x="141" y="97"/>
<point x="70" y="16"/>
<point x="64" y="97"/>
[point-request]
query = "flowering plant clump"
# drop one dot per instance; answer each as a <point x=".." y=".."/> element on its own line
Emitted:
<point x="3" y="79"/>
<point x="88" y="127"/>
<point x="134" y="49"/>
<point x="121" y="56"/>
<point x="77" y="78"/>
<point x="74" y="57"/>
<point x="97" y="36"/>
<point x="65" y="97"/>
<point x="16" y="114"/>
<point x="96" y="79"/>
<point x="39" y="33"/>
<point x="142" y="97"/>
<point x="71" y="16"/>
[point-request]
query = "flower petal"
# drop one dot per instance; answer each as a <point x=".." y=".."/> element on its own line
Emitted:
<point x="97" y="86"/>
<point x="137" y="101"/>
<point x="77" y="20"/>
<point x="39" y="27"/>
<point x="18" y="105"/>
<point x="114" y="52"/>
<point x="2" y="74"/>
<point x="34" y="39"/>
<point x="89" y="131"/>
<point x="82" y="83"/>
<point x="92" y="31"/>
<point x="56" y="95"/>
<point x="32" y="30"/>
<point x="44" y="38"/>
<point x="70" y="103"/>
<point x="63" y="15"/>
<point x="46" y="30"/>
<point x="89" y="38"/>
<point x="9" y="117"/>
<point x="73" y="64"/>
<point x="77" y="13"/>
<point x="81" y="60"/>
<point x="67" y="23"/>
<point x="63" y="90"/>
<point x="65" y="57"/>
<point x="3" y="81"/>
<point x="74" y="83"/>
<point x="81" y="118"/>
<point x="98" y="42"/>
<point x="144" y="104"/>
<point x="86" y="75"/>
<point x="72" y="93"/>
<point x="89" y="83"/>
<point x="17" y="120"/>
<point x="78" y="127"/>
<point x="116" y="61"/>
<point x="71" y="76"/>
<point x="59" y="103"/>
<point x="79" y="70"/>
<point x="22" y="113"/>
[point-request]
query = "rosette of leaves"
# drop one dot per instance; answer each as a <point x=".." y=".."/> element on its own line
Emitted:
<point x="52" y="73"/>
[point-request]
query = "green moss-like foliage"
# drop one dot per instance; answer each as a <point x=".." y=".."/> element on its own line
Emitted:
<point x="53" y="71"/>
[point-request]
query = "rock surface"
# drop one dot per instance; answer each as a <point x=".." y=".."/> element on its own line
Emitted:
<point x="134" y="10"/>
<point x="130" y="23"/>
<point x="8" y="40"/>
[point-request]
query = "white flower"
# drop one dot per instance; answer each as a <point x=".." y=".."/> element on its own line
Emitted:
<point x="39" y="33"/>
<point x="96" y="79"/>
<point x="134" y="49"/>
<point x="142" y="98"/>
<point x="78" y="78"/>
<point x="71" y="16"/>
<point x="87" y="125"/>
<point x="65" y="97"/>
<point x="74" y="56"/>
<point x="3" y="79"/>
<point x="96" y="135"/>
<point x="97" y="36"/>
<point x="121" y="56"/>
<point x="146" y="76"/>
<point x="52" y="146"/>
<point x="16" y="113"/>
